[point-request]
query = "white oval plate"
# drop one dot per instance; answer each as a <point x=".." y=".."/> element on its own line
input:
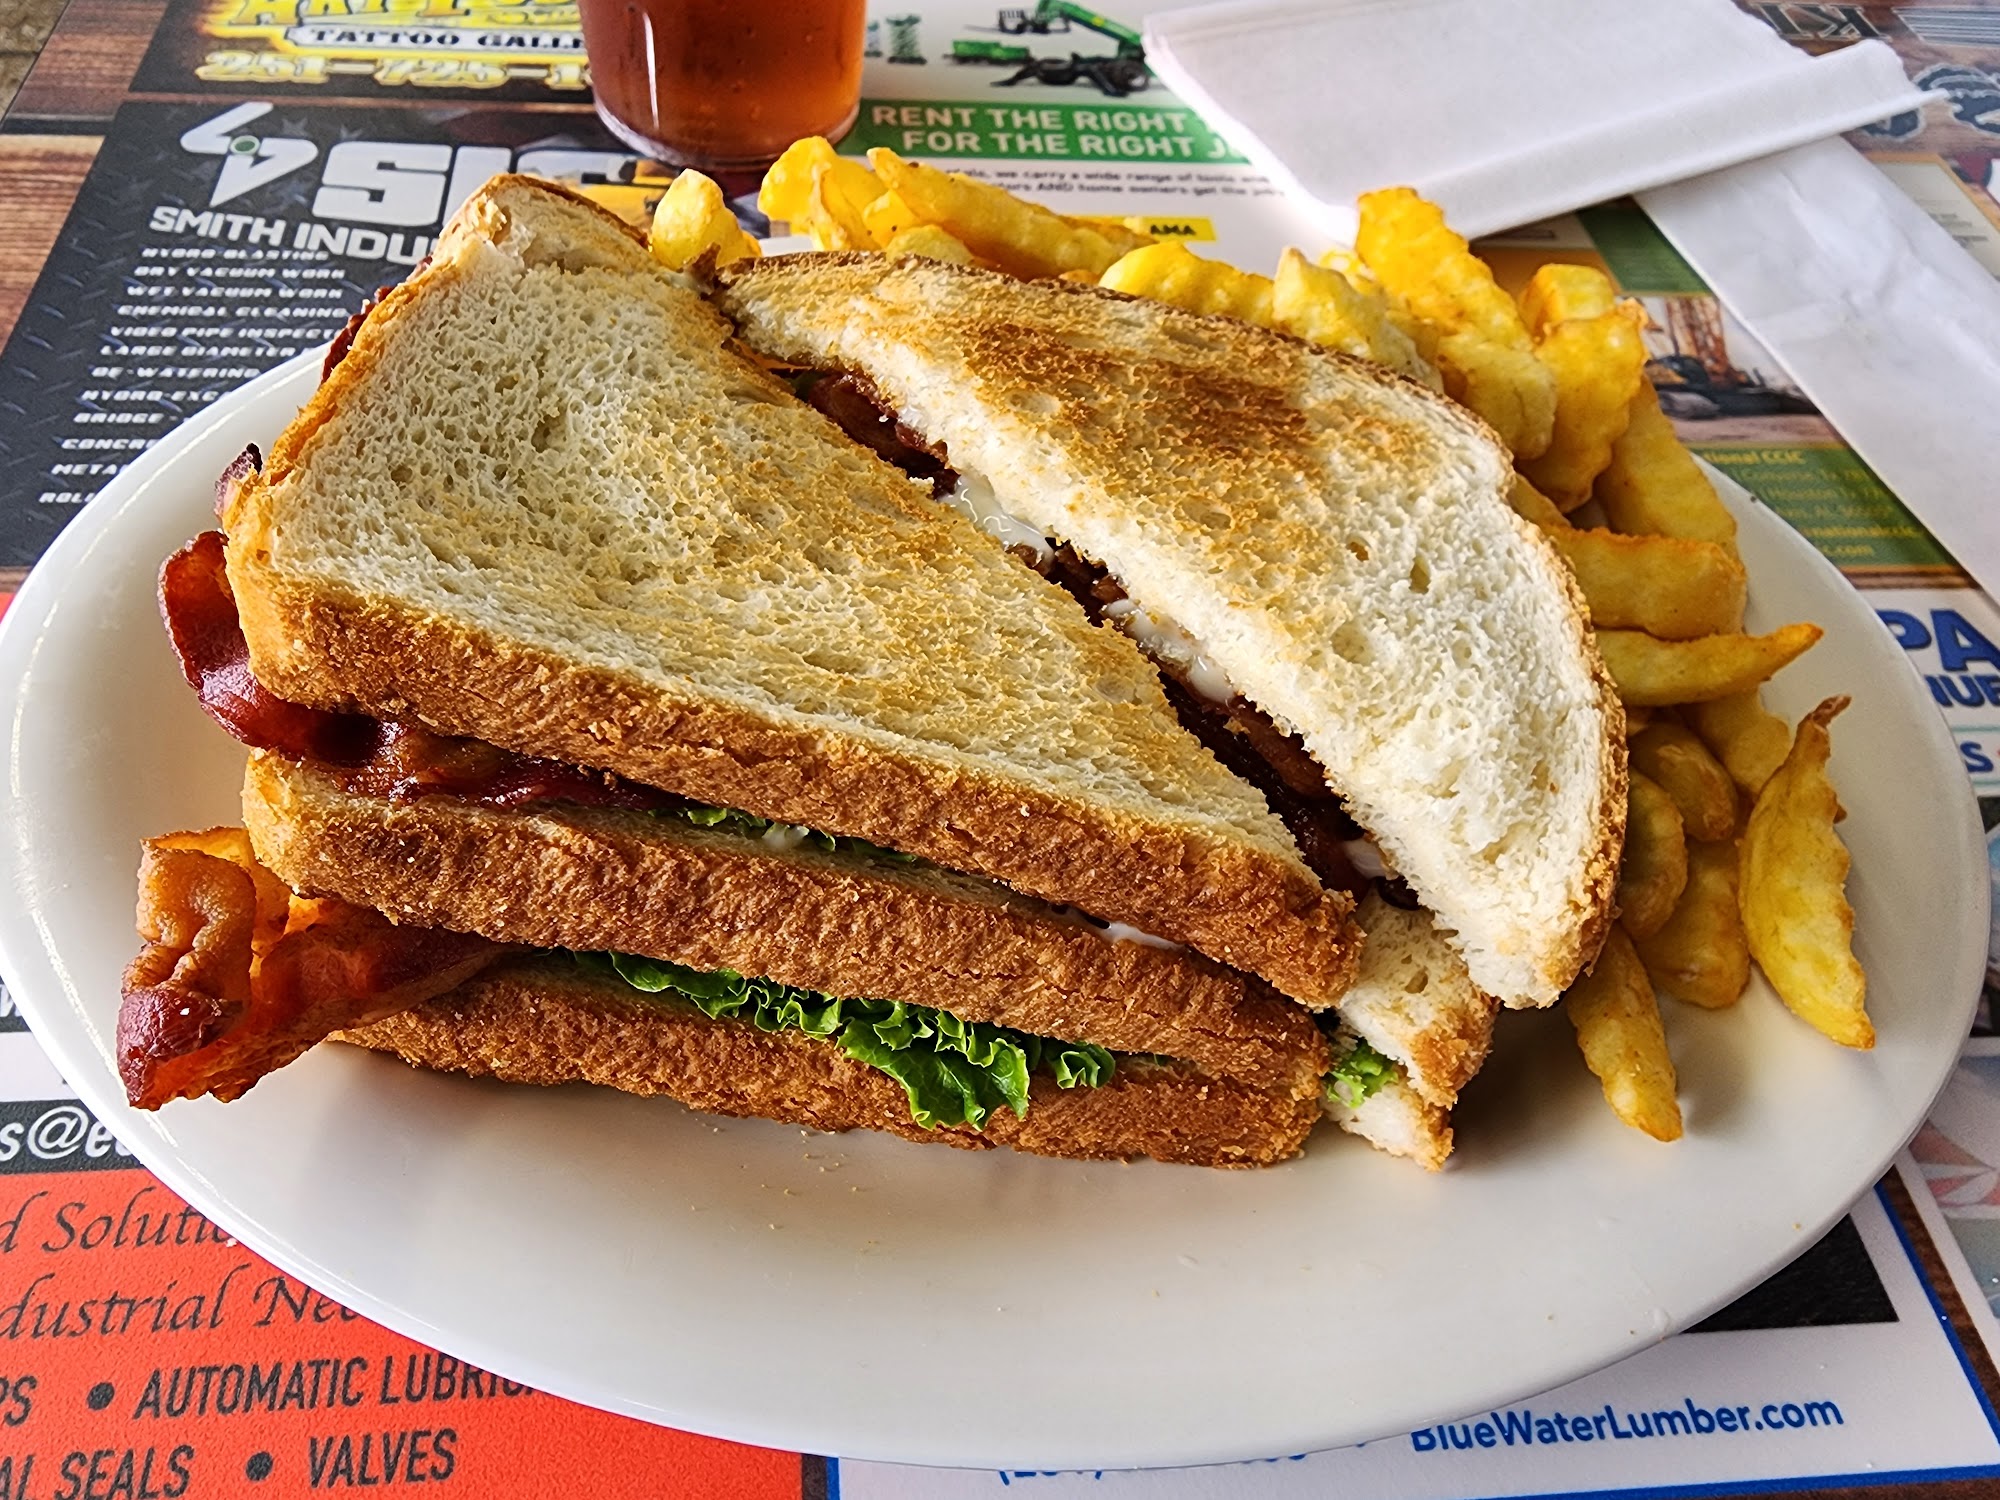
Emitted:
<point x="864" y="1297"/>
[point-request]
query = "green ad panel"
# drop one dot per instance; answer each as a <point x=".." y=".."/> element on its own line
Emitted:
<point x="1836" y="501"/>
<point x="1639" y="256"/>
<point x="1109" y="130"/>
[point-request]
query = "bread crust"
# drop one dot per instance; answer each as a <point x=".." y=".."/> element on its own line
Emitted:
<point x="1241" y="900"/>
<point x="837" y="923"/>
<point x="1596" y="903"/>
<point x="544" y="1023"/>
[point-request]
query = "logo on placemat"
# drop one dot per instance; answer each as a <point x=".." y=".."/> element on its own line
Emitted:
<point x="248" y="161"/>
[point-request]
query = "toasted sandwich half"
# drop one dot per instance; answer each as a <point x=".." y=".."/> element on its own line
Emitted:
<point x="615" y="717"/>
<point x="666" y="954"/>
<point x="545" y="503"/>
<point x="1319" y="552"/>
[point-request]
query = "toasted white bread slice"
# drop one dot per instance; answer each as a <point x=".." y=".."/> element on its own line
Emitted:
<point x="543" y="501"/>
<point x="1334" y="539"/>
<point x="546" y="1022"/>
<point x="1399" y="1120"/>
<point x="1413" y="1001"/>
<point x="842" y="923"/>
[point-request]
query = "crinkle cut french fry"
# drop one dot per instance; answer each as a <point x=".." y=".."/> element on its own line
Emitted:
<point x="1674" y="757"/>
<point x="1124" y="234"/>
<point x="1319" y="304"/>
<point x="1512" y="390"/>
<point x="1598" y="365"/>
<point x="1749" y="740"/>
<point x="836" y="207"/>
<point x="1653" y="486"/>
<point x="1701" y="955"/>
<point x="1482" y="346"/>
<point x="1618" y="1029"/>
<point x="1654" y="869"/>
<point x="888" y="217"/>
<point x="694" y="217"/>
<point x="1530" y="504"/>
<point x="1659" y="674"/>
<point x="930" y="242"/>
<point x="1021" y="238"/>
<point x="1407" y="246"/>
<point x="1794" y="899"/>
<point x="1423" y="335"/>
<point x="1669" y="587"/>
<point x="1172" y="273"/>
<point x="788" y="181"/>
<point x="1558" y="293"/>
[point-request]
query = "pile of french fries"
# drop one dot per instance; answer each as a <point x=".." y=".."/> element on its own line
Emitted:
<point x="1730" y="853"/>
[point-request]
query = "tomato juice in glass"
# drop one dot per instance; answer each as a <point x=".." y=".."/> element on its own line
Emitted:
<point x="724" y="84"/>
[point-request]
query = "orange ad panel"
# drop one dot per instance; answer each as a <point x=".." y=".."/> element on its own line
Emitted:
<point x="145" y="1355"/>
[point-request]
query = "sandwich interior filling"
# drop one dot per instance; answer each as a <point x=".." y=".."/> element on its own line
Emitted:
<point x="955" y="1072"/>
<point x="241" y="975"/>
<point x="1358" y="1073"/>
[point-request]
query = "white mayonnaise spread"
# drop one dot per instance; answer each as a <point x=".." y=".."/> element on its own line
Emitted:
<point x="1368" y="859"/>
<point x="1114" y="932"/>
<point x="1118" y="932"/>
<point x="1166" y="642"/>
<point x="972" y="497"/>
<point x="785" y="837"/>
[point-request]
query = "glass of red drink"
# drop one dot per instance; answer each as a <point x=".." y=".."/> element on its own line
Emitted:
<point x="724" y="84"/>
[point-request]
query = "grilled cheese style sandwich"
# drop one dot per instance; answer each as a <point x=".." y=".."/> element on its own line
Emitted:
<point x="616" y="718"/>
<point x="1318" y="553"/>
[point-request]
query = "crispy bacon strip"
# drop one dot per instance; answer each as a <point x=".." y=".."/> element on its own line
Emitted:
<point x="344" y="340"/>
<point x="858" y="408"/>
<point x="239" y="976"/>
<point x="379" y="758"/>
<point x="200" y="613"/>
<point x="409" y="761"/>
<point x="1252" y="747"/>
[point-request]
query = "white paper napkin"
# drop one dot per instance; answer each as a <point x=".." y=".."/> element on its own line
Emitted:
<point x="1878" y="314"/>
<point x="1507" y="111"/>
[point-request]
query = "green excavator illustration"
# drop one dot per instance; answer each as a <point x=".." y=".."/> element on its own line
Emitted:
<point x="1125" y="72"/>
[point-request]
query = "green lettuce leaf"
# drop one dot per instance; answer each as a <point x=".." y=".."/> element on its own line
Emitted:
<point x="955" y="1072"/>
<point x="1078" y="1064"/>
<point x="944" y="1087"/>
<point x="752" y="826"/>
<point x="1360" y="1074"/>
